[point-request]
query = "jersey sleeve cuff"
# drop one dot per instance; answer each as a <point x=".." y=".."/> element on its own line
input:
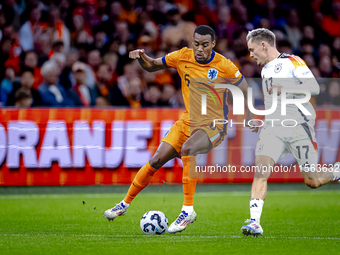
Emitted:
<point x="239" y="81"/>
<point x="164" y="62"/>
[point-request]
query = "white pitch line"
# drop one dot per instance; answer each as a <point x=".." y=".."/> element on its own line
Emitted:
<point x="199" y="194"/>
<point x="177" y="236"/>
<point x="293" y="237"/>
<point x="54" y="196"/>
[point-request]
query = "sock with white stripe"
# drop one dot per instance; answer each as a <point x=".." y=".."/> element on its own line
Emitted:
<point x="256" y="209"/>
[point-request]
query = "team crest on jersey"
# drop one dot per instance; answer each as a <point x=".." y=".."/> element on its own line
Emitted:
<point x="278" y="68"/>
<point x="212" y="74"/>
<point x="260" y="147"/>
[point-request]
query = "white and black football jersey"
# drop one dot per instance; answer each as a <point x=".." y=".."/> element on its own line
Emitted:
<point x="288" y="71"/>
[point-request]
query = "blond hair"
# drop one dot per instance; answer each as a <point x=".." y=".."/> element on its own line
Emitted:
<point x="261" y="34"/>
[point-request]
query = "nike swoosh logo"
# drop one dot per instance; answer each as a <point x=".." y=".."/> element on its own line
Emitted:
<point x="188" y="67"/>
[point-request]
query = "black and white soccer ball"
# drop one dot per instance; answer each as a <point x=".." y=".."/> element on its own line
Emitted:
<point x="154" y="223"/>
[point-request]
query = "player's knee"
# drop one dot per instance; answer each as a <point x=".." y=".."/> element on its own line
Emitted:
<point x="312" y="183"/>
<point x="185" y="151"/>
<point x="156" y="161"/>
<point x="191" y="150"/>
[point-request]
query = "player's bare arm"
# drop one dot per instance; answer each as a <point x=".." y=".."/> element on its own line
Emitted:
<point x="148" y="64"/>
<point x="244" y="87"/>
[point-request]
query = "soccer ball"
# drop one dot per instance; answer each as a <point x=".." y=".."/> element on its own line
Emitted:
<point x="154" y="223"/>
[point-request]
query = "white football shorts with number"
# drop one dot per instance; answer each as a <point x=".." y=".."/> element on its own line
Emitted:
<point x="276" y="142"/>
<point x="294" y="132"/>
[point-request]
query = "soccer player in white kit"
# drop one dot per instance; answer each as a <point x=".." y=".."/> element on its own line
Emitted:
<point x="297" y="136"/>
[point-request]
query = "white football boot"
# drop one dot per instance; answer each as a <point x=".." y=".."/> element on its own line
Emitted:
<point x="182" y="221"/>
<point x="119" y="210"/>
<point x="252" y="228"/>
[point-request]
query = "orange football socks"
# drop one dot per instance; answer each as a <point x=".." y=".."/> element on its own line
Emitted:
<point x="141" y="180"/>
<point x="189" y="184"/>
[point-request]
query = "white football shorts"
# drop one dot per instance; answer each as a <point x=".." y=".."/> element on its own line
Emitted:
<point x="276" y="142"/>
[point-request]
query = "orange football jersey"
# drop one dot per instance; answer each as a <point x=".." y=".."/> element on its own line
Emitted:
<point x="198" y="79"/>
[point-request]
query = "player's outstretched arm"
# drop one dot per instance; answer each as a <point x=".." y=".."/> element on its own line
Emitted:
<point x="149" y="64"/>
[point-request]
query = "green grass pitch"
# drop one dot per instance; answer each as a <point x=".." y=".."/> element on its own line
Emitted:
<point x="294" y="222"/>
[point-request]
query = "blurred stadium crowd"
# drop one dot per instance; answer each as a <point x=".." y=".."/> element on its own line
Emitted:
<point x="75" y="52"/>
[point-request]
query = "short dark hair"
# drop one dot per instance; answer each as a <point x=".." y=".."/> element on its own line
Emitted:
<point x="57" y="43"/>
<point x="26" y="69"/>
<point x="173" y="11"/>
<point x="205" y="30"/>
<point x="22" y="94"/>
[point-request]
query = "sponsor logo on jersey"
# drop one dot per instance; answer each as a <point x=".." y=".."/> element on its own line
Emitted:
<point x="278" y="68"/>
<point x="212" y="74"/>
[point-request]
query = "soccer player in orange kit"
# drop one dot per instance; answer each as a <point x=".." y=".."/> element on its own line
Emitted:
<point x="200" y="68"/>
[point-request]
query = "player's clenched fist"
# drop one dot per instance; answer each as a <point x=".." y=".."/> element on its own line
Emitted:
<point x="136" y="53"/>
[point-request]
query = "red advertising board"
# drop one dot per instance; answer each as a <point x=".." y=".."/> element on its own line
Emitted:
<point x="73" y="146"/>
